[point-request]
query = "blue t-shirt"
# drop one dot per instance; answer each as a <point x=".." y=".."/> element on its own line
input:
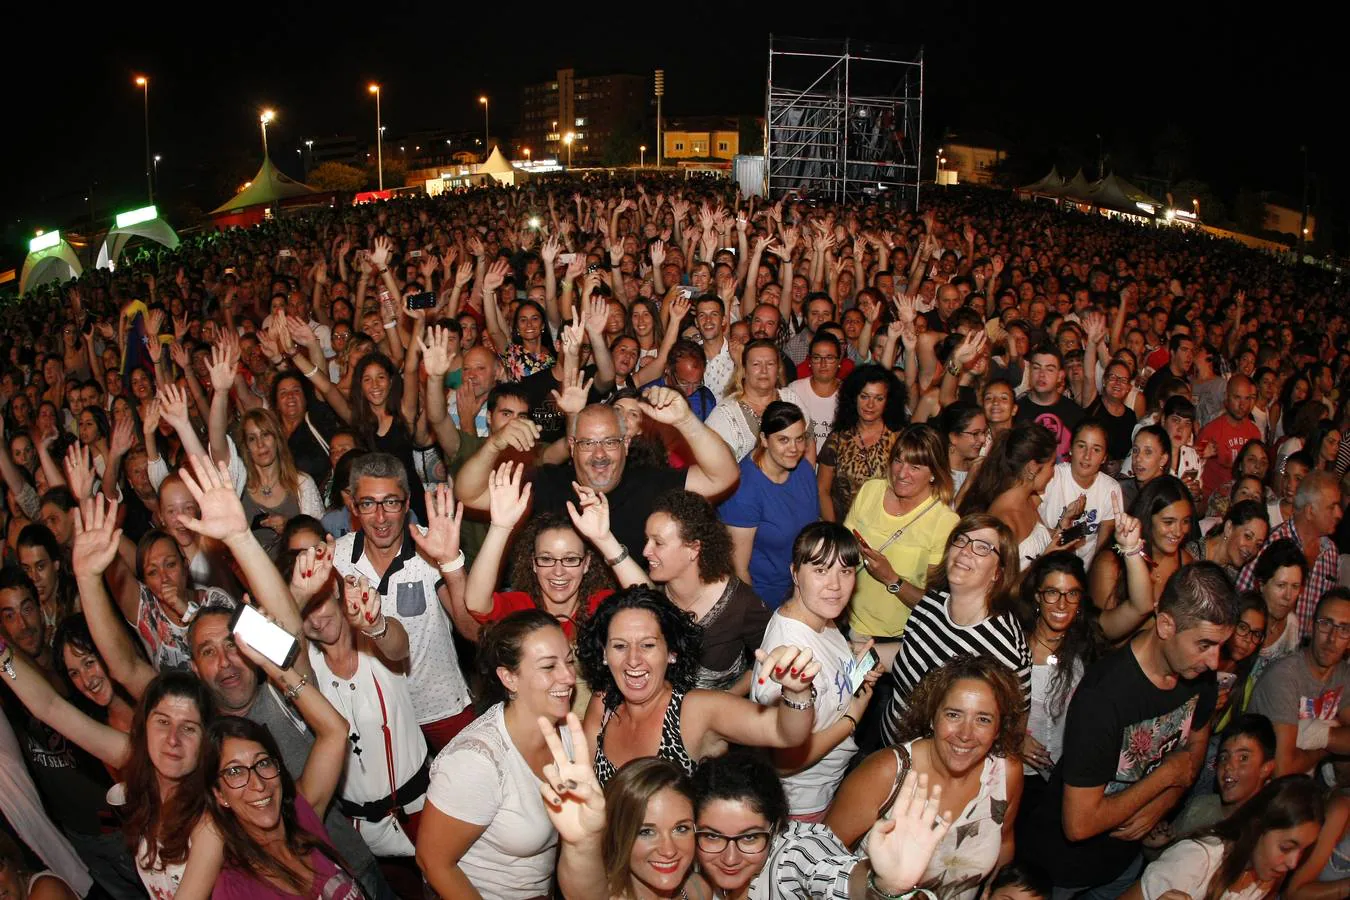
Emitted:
<point x="778" y="513"/>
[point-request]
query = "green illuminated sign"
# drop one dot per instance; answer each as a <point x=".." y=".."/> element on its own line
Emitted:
<point x="44" y="241"/>
<point x="137" y="216"/>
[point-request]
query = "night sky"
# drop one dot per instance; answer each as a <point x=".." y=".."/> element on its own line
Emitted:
<point x="1244" y="91"/>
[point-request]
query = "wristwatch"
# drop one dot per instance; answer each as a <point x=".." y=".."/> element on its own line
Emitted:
<point x="894" y="586"/>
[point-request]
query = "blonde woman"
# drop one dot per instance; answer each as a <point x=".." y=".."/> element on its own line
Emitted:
<point x="736" y="418"/>
<point x="273" y="490"/>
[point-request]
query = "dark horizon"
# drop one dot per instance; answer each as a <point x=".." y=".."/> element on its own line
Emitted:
<point x="1230" y="103"/>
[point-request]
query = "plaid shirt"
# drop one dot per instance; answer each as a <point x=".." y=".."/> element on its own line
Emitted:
<point x="1322" y="577"/>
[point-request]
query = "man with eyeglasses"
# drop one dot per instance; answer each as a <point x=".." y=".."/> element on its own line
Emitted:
<point x="599" y="449"/>
<point x="1229" y="432"/>
<point x="1303" y="693"/>
<point x="1134" y="740"/>
<point x="417" y="588"/>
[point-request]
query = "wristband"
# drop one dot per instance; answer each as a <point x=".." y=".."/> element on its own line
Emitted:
<point x="390" y="325"/>
<point x="7" y="661"/>
<point x="953" y="368"/>
<point x="793" y="704"/>
<point x="623" y="554"/>
<point x="453" y="565"/>
<point x="1127" y="553"/>
<point x="312" y="372"/>
<point x="874" y="892"/>
<point x="849" y="716"/>
<point x="293" y="692"/>
<point x="384" y="629"/>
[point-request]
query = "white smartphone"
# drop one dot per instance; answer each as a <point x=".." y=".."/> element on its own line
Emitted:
<point x="284" y="253"/>
<point x="566" y="259"/>
<point x="414" y="254"/>
<point x="269" y="639"/>
<point x="860" y="668"/>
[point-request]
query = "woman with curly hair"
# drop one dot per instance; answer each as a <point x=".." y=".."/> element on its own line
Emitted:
<point x="867" y="420"/>
<point x="639" y="652"/>
<point x="963" y="729"/>
<point x="688" y="555"/>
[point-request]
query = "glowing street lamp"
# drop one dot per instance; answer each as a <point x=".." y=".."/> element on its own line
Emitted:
<point x="143" y="83"/>
<point x="642" y="156"/>
<point x="267" y="116"/>
<point x="157" y="159"/>
<point x="487" y="134"/>
<point x="379" y="134"/>
<point x="568" y="139"/>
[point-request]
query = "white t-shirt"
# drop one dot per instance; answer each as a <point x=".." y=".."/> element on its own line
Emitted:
<point x="819" y="409"/>
<point x="481" y="778"/>
<point x="1063" y="490"/>
<point x="367" y="773"/>
<point x="1187" y="866"/>
<point x="811" y="789"/>
<point x="409" y="591"/>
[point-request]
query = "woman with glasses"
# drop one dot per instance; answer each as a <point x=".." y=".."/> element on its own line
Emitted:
<point x="963" y="731"/>
<point x="1238" y="659"/>
<point x="868" y="418"/>
<point x="966" y="431"/>
<point x="1060" y="624"/>
<point x="738" y="417"/>
<point x="902" y="523"/>
<point x="275" y="842"/>
<point x="743" y="842"/>
<point x="966" y="608"/>
<point x="775" y="500"/>
<point x="1114" y="411"/>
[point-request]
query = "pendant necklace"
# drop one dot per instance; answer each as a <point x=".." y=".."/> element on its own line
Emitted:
<point x="1053" y="658"/>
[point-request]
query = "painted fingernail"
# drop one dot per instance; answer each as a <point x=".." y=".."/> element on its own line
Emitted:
<point x="793" y="671"/>
<point x="761" y="680"/>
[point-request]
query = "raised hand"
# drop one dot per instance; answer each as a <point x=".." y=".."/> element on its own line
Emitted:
<point x="380" y="255"/>
<point x="79" y="471"/>
<point x="361" y="604"/>
<point x="222" y="515"/>
<point x="576" y="390"/>
<point x="1129" y="531"/>
<point x="901" y="846"/>
<point x="666" y="406"/>
<point x="313" y="568"/>
<point x="591" y="514"/>
<point x="507" y="498"/>
<point x="548" y="251"/>
<point x="677" y="306"/>
<point x="444" y="517"/>
<point x="597" y="314"/>
<point x="573" y="798"/>
<point x="495" y="275"/>
<point x="96" y="536"/>
<point x="658" y="253"/>
<point x="173" y="406"/>
<point x="792" y="667"/>
<point x="301" y="332"/>
<point x="467" y="404"/>
<point x="153" y="323"/>
<point x="971" y="346"/>
<point x="180" y="356"/>
<point x="123" y="437"/>
<point x="1094" y="323"/>
<point x="223" y="366"/>
<point x="517" y="434"/>
<point x="436" y="356"/>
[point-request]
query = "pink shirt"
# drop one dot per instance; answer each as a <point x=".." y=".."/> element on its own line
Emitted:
<point x="330" y="881"/>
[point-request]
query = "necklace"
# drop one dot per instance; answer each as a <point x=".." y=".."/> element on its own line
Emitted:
<point x="1053" y="658"/>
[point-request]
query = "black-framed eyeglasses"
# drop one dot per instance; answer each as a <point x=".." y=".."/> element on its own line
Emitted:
<point x="366" y="505"/>
<point x="548" y="562"/>
<point x="977" y="546"/>
<point x="237" y="776"/>
<point x="979" y="434"/>
<point x="748" y="842"/>
<point x="1327" y="626"/>
<point x="1243" y="630"/>
<point x="1054" y="597"/>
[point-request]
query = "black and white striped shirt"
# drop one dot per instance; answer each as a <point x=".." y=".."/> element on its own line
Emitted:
<point x="932" y="639"/>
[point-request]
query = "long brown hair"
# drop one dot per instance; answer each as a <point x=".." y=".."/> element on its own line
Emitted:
<point x="1286" y="802"/>
<point x="626" y="797"/>
<point x="165" y="827"/>
<point x="267" y="422"/>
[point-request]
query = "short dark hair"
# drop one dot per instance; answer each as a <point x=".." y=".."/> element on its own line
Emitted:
<point x="1279" y="555"/>
<point x="1047" y="350"/>
<point x="1255" y="726"/>
<point x="1199" y="593"/>
<point x="745" y="776"/>
<point x="506" y="389"/>
<point x="779" y="415"/>
<point x="1333" y="595"/>
<point x="14" y="578"/>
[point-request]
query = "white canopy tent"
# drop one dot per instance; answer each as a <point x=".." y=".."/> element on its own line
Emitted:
<point x="56" y="261"/>
<point x="116" y="240"/>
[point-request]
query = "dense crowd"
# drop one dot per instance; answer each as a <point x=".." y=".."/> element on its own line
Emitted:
<point x="638" y="539"/>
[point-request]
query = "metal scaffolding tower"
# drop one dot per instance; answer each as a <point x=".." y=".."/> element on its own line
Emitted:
<point x="843" y="120"/>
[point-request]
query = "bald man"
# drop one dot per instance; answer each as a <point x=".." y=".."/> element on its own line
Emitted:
<point x="481" y="372"/>
<point x="1229" y="432"/>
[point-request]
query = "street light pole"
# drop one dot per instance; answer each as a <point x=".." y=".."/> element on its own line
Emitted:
<point x="152" y="191"/>
<point x="568" y="139"/>
<point x="642" y="156"/>
<point x="144" y="83"/>
<point x="379" y="135"/>
<point x="267" y="116"/>
<point x="487" y="133"/>
<point x="660" y="92"/>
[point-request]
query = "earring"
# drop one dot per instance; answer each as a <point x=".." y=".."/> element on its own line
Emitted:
<point x="932" y="480"/>
<point x="226" y="805"/>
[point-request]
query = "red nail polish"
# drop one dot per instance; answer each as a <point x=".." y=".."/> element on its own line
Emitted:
<point x="793" y="671"/>
<point x="761" y="680"/>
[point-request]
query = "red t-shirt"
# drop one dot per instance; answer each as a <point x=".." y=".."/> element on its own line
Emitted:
<point x="506" y="602"/>
<point x="1229" y="439"/>
<point x="1158" y="358"/>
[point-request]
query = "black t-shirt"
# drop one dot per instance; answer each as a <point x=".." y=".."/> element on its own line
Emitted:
<point x="539" y="387"/>
<point x="73" y="784"/>
<point x="1119" y="429"/>
<point x="311" y="457"/>
<point x="1061" y="417"/>
<point x="630" y="501"/>
<point x="1119" y="727"/>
